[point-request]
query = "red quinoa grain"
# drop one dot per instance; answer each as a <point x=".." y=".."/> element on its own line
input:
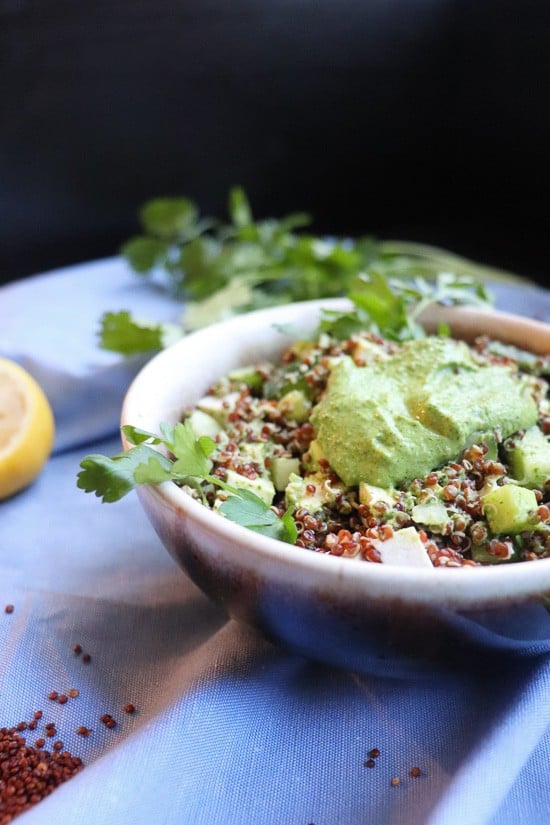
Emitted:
<point x="9" y="608"/>
<point x="414" y="772"/>
<point x="29" y="774"/>
<point x="86" y="658"/>
<point x="129" y="708"/>
<point x="77" y="649"/>
<point x="62" y="699"/>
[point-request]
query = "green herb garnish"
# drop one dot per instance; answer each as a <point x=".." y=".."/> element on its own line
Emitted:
<point x="221" y="268"/>
<point x="189" y="464"/>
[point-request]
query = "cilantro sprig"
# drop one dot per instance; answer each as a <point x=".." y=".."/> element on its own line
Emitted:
<point x="222" y="268"/>
<point x="189" y="464"/>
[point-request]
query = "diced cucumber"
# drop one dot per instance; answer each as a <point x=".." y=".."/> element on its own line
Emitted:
<point x="203" y="424"/>
<point x="529" y="459"/>
<point x="369" y="494"/>
<point x="323" y="491"/>
<point x="510" y="509"/>
<point x="282" y="467"/>
<point x="404" y="548"/>
<point x="314" y="456"/>
<point x="481" y="555"/>
<point x="432" y="514"/>
<point x="219" y="408"/>
<point x="489" y="439"/>
<point x="250" y="376"/>
<point x="260" y="486"/>
<point x="294" y="406"/>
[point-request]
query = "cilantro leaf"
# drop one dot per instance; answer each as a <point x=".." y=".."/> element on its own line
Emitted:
<point x="168" y="218"/>
<point x="144" y="254"/>
<point x="245" y="508"/>
<point x="112" y="478"/>
<point x="191" y="453"/>
<point x="135" y="435"/>
<point x="119" y="332"/>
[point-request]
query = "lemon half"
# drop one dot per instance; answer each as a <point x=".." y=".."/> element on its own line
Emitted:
<point x="26" y="428"/>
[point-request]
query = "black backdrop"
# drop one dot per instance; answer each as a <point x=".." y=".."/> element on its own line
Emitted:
<point x="420" y="119"/>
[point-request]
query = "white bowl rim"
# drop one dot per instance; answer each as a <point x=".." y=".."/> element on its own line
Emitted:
<point x="456" y="587"/>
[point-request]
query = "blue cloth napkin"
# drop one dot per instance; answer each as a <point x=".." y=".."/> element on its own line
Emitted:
<point x="228" y="729"/>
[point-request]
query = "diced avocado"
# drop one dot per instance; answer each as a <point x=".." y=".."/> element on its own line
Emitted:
<point x="203" y="424"/>
<point x="432" y="514"/>
<point x="314" y="456"/>
<point x="281" y="469"/>
<point x="260" y="486"/>
<point x="294" y="406"/>
<point x="250" y="376"/>
<point x="219" y="408"/>
<point x="369" y="494"/>
<point x="324" y="492"/>
<point x="481" y="555"/>
<point x="404" y="548"/>
<point x="510" y="509"/>
<point x="255" y="450"/>
<point x="529" y="459"/>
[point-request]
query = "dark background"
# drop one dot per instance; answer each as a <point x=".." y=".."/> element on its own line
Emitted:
<point x="419" y="119"/>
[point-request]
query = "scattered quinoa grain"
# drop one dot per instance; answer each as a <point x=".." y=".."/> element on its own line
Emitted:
<point x="9" y="608"/>
<point x="370" y="763"/>
<point x="77" y="649"/>
<point x="86" y="658"/>
<point x="83" y="731"/>
<point x="73" y="693"/>
<point x="38" y="714"/>
<point x="53" y="695"/>
<point x="40" y="742"/>
<point x="415" y="772"/>
<point x="62" y="699"/>
<point x="395" y="782"/>
<point x="129" y="708"/>
<point x="374" y="753"/>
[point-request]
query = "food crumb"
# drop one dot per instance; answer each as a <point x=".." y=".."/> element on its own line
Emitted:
<point x="77" y="649"/>
<point x="62" y="699"/>
<point x="73" y="693"/>
<point x="370" y="763"/>
<point x="9" y="608"/>
<point x="53" y="695"/>
<point x="395" y="782"/>
<point x="86" y="658"/>
<point x="415" y="772"/>
<point x="129" y="708"/>
<point x="374" y="753"/>
<point x="83" y="730"/>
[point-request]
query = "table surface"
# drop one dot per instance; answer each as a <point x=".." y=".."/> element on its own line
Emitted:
<point x="228" y="728"/>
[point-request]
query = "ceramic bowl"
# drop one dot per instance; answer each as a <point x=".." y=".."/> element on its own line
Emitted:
<point x="342" y="611"/>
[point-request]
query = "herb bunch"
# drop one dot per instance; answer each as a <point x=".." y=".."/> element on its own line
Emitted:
<point x="221" y="268"/>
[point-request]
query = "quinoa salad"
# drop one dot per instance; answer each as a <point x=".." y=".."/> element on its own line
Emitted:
<point x="430" y="485"/>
